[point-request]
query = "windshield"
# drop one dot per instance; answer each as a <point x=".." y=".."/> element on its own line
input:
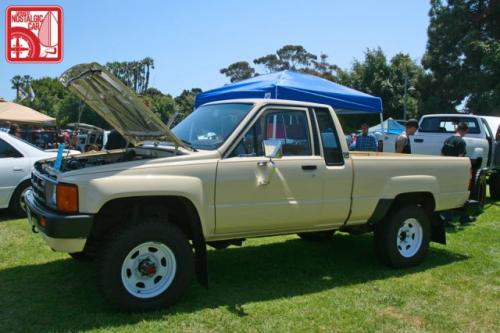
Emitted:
<point x="210" y="125"/>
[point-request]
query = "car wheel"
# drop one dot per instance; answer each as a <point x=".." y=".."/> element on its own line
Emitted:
<point x="17" y="203"/>
<point x="402" y="240"/>
<point x="146" y="266"/>
<point x="494" y="183"/>
<point x="82" y="256"/>
<point x="317" y="236"/>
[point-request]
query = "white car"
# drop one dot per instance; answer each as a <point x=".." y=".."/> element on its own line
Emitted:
<point x="16" y="163"/>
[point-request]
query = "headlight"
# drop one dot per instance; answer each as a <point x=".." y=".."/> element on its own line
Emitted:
<point x="67" y="198"/>
<point x="50" y="195"/>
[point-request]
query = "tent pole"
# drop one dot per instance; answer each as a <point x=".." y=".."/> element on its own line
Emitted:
<point x="382" y="122"/>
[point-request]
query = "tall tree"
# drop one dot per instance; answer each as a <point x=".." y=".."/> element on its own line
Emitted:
<point x="238" y="71"/>
<point x="463" y="53"/>
<point x="17" y="82"/>
<point x="294" y="57"/>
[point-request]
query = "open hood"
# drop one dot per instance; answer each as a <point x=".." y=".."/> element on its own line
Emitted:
<point x="117" y="104"/>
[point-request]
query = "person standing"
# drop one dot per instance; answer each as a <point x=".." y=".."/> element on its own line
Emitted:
<point x="403" y="145"/>
<point x="365" y="141"/>
<point x="455" y="145"/>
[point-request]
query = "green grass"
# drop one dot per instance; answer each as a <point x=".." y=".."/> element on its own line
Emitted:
<point x="275" y="284"/>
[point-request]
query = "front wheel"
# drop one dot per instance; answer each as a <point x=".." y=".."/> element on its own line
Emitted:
<point x="146" y="266"/>
<point x="402" y="240"/>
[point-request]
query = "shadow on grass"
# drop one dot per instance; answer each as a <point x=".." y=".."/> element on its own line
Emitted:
<point x="6" y="215"/>
<point x="62" y="295"/>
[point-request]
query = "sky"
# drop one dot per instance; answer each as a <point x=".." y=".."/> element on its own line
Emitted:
<point x="190" y="41"/>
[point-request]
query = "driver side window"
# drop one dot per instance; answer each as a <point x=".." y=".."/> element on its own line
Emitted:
<point x="291" y="127"/>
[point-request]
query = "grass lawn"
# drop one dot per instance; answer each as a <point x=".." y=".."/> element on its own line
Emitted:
<point x="275" y="284"/>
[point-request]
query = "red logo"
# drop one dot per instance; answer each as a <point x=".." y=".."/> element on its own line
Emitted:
<point x="34" y="34"/>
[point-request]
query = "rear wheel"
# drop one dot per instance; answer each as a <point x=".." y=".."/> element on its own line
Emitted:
<point x="317" y="236"/>
<point x="146" y="266"/>
<point x="494" y="183"/>
<point x="402" y="240"/>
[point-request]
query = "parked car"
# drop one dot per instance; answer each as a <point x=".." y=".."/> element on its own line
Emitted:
<point x="16" y="164"/>
<point x="89" y="136"/>
<point x="480" y="139"/>
<point x="231" y="170"/>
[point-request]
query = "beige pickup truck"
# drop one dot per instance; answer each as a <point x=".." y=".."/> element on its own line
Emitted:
<point x="229" y="171"/>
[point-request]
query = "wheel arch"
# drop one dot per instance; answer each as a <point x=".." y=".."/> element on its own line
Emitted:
<point x="423" y="199"/>
<point x="178" y="210"/>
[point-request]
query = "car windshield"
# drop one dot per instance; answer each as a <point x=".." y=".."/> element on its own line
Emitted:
<point x="210" y="125"/>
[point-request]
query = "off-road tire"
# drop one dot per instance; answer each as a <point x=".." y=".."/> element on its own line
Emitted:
<point x="317" y="236"/>
<point x="119" y="247"/>
<point x="387" y="233"/>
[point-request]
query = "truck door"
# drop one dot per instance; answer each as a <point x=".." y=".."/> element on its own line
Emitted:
<point x="294" y="195"/>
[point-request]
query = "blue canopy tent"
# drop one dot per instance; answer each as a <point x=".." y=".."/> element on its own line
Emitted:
<point x="299" y="87"/>
<point x="389" y="126"/>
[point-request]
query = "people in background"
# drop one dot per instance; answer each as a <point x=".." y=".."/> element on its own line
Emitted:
<point x="403" y="145"/>
<point x="5" y="127"/>
<point x="455" y="145"/>
<point x="364" y="140"/>
<point x="15" y="130"/>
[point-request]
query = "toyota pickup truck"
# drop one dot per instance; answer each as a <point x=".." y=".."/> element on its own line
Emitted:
<point x="231" y="170"/>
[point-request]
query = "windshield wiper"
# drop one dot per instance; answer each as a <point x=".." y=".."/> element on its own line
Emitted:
<point x="188" y="144"/>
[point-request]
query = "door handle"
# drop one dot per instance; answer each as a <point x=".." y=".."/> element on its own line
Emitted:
<point x="309" y="167"/>
<point x="17" y="169"/>
<point x="419" y="140"/>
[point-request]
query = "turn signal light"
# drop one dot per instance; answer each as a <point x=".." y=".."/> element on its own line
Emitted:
<point x="67" y="198"/>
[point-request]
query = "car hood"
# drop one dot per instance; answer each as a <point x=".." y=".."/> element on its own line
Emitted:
<point x="117" y="104"/>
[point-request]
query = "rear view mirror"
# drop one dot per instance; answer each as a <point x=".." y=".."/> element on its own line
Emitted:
<point x="272" y="148"/>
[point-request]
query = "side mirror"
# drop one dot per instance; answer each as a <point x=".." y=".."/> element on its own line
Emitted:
<point x="272" y="148"/>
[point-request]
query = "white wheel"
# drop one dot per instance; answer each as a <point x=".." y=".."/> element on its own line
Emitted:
<point x="402" y="239"/>
<point x="148" y="270"/>
<point x="409" y="238"/>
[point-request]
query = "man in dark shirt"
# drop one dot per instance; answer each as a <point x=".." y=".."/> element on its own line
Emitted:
<point x="403" y="140"/>
<point x="455" y="145"/>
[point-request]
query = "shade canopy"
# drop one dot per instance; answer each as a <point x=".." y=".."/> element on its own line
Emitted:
<point x="390" y="126"/>
<point x="296" y="86"/>
<point x="20" y="114"/>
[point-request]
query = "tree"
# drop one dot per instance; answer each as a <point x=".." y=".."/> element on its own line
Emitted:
<point x="238" y="71"/>
<point x="463" y="55"/>
<point x="185" y="102"/>
<point x="294" y="57"/>
<point x="17" y="82"/>
<point x="134" y="74"/>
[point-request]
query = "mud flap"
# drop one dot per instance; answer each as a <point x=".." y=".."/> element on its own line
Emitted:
<point x="438" y="232"/>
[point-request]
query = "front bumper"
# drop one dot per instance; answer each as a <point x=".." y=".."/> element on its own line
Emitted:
<point x="65" y="233"/>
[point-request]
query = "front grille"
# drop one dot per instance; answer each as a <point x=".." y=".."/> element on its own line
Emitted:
<point x="39" y="185"/>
